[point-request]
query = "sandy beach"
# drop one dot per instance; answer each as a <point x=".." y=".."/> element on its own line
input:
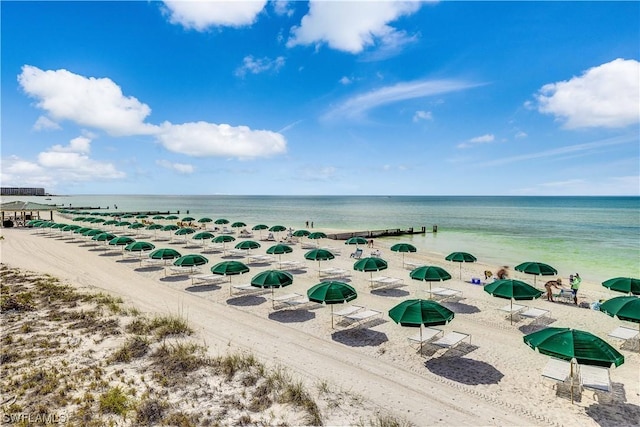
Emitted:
<point x="492" y="378"/>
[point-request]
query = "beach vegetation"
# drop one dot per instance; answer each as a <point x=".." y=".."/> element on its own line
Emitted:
<point x="150" y="411"/>
<point x="134" y="348"/>
<point x="169" y="325"/>
<point x="383" y="419"/>
<point x="114" y="401"/>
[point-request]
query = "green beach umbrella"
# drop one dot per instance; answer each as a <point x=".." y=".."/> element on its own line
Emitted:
<point x="170" y="227"/>
<point x="370" y="265"/>
<point x="139" y="246"/>
<point x="136" y="226"/>
<point x="81" y="230"/>
<point x="628" y="285"/>
<point x="430" y="273"/>
<point x="188" y="219"/>
<point x="403" y="248"/>
<point x="512" y="290"/>
<point x="141" y="216"/>
<point x="624" y="308"/>
<point x="121" y="241"/>
<point x="155" y="228"/>
<point x="319" y="255"/>
<point x="92" y="232"/>
<point x="317" y="235"/>
<point x="357" y="240"/>
<point x="157" y="217"/>
<point x="331" y="293"/>
<point x="190" y="260"/>
<point x="171" y="217"/>
<point x="259" y="227"/>
<point x="248" y="245"/>
<point x="536" y="269"/>
<point x="184" y="231"/>
<point x="104" y="237"/>
<point x="71" y="227"/>
<point x="98" y="220"/>
<point x="127" y="216"/>
<point x="224" y="239"/>
<point x="79" y="218"/>
<point x="279" y="249"/>
<point x="205" y="220"/>
<point x="277" y="228"/>
<point x="123" y="224"/>
<point x="165" y="254"/>
<point x="460" y="257"/>
<point x="229" y="268"/>
<point x="419" y="312"/>
<point x="238" y="224"/>
<point x="221" y="221"/>
<point x="573" y="344"/>
<point x="301" y="233"/>
<point x="272" y="279"/>
<point x="203" y="236"/>
<point x="110" y="222"/>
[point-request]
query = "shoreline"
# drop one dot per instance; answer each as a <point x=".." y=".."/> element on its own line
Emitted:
<point x="496" y="375"/>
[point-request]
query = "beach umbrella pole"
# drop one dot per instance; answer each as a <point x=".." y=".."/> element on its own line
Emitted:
<point x="331" y="315"/>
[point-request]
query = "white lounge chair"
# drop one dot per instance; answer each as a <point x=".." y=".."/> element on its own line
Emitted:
<point x="557" y="369"/>
<point x="363" y="316"/>
<point x="387" y="282"/>
<point x="445" y="293"/>
<point x="515" y="308"/>
<point x="624" y="333"/>
<point x="595" y="377"/>
<point x="452" y="339"/>
<point x="534" y="313"/>
<point x="427" y="335"/>
<point x="207" y="279"/>
<point x="348" y="310"/>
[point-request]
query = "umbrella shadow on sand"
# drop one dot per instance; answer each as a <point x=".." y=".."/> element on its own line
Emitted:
<point x="604" y="414"/>
<point x="149" y="268"/>
<point x="360" y="337"/>
<point x="460" y="308"/>
<point x="292" y="316"/>
<point x="464" y="371"/>
<point x="175" y="278"/>
<point x="536" y="326"/>
<point x="390" y="292"/>
<point x="246" y="300"/>
<point x="202" y="288"/>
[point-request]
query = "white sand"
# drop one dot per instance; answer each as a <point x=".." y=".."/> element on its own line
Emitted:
<point x="494" y="380"/>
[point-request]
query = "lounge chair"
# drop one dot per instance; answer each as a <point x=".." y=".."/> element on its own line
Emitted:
<point x="386" y="282"/>
<point x="514" y="308"/>
<point x="357" y="254"/>
<point x="624" y="333"/>
<point x="534" y="313"/>
<point x="207" y="279"/>
<point x="360" y="317"/>
<point x="445" y="293"/>
<point x="595" y="377"/>
<point x="348" y="310"/>
<point x="452" y="339"/>
<point x="565" y="295"/>
<point x="428" y="334"/>
<point x="557" y="369"/>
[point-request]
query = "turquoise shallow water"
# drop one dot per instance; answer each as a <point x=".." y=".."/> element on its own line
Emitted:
<point x="596" y="236"/>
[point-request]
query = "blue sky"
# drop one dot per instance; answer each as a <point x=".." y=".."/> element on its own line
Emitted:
<point x="321" y="97"/>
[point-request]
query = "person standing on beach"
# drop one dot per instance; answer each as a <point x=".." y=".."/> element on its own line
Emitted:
<point x="552" y="283"/>
<point x="575" y="285"/>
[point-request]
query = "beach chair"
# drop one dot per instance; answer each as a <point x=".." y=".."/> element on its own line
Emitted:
<point x="357" y="254"/>
<point x="348" y="310"/>
<point x="595" y="377"/>
<point x="565" y="295"/>
<point x="207" y="279"/>
<point x="361" y="317"/>
<point x="452" y="339"/>
<point x="624" y="333"/>
<point x="428" y="334"/>
<point x="445" y="293"/>
<point x="557" y="369"/>
<point x="534" y="313"/>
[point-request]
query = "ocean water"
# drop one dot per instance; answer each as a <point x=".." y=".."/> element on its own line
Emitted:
<point x="599" y="237"/>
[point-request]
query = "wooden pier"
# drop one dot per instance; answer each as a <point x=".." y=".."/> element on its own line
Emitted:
<point x="381" y="233"/>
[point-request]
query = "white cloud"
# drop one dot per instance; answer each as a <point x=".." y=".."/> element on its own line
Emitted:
<point x="58" y="164"/>
<point x="93" y="102"/>
<point x="345" y="80"/>
<point x="357" y="106"/>
<point x="80" y="144"/>
<point x="607" y="186"/>
<point x="282" y="7"/>
<point x="45" y="123"/>
<point x="521" y="134"/>
<point x="203" y="14"/>
<point x="569" y="150"/>
<point x="422" y="115"/>
<point x="352" y="26"/>
<point x="317" y="173"/>
<point x="483" y="139"/>
<point x="604" y="96"/>
<point x="257" y="66"/>
<point x="201" y="139"/>
<point x="183" y="168"/>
